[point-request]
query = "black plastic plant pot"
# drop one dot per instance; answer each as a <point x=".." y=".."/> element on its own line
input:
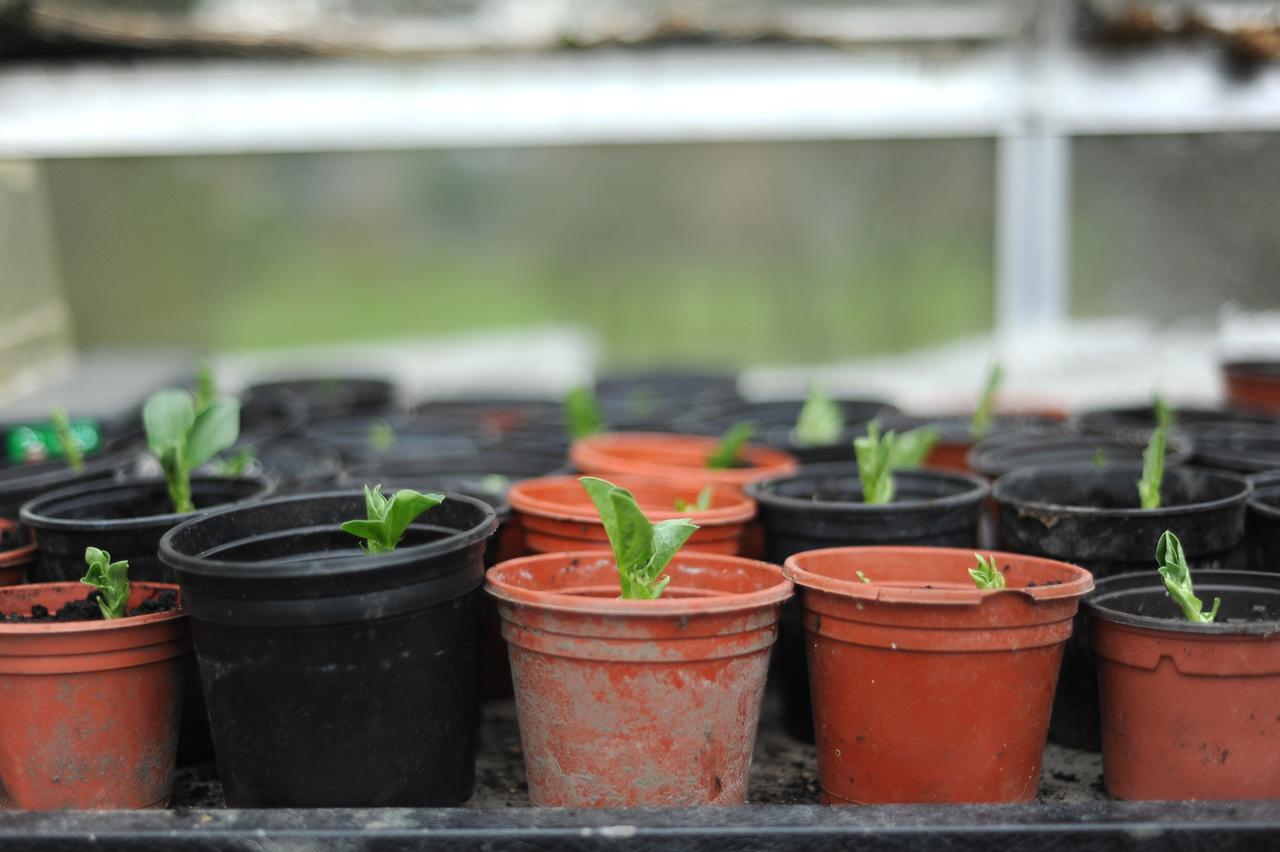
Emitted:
<point x="1135" y="422"/>
<point x="956" y="437"/>
<point x="299" y="466"/>
<point x="654" y="401"/>
<point x="1006" y="453"/>
<point x="1091" y="517"/>
<point x="775" y="422"/>
<point x="335" y="678"/>
<point x="821" y="506"/>
<point x="271" y="416"/>
<point x="364" y="439"/>
<point x="20" y="483"/>
<point x="1239" y="449"/>
<point x="329" y="397"/>
<point x="125" y="518"/>
<point x="504" y="415"/>
<point x="1262" y="522"/>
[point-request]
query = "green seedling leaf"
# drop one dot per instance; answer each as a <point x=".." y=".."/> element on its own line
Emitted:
<point x="908" y="450"/>
<point x="67" y="439"/>
<point x="234" y="466"/>
<point x="820" y="423"/>
<point x="111" y="579"/>
<point x="1099" y="457"/>
<point x="182" y="440"/>
<point x="381" y="436"/>
<point x="863" y="577"/>
<point x="982" y="416"/>
<point x="1162" y="412"/>
<point x="641" y="549"/>
<point x="1153" y="459"/>
<point x="1176" y="573"/>
<point x="496" y="483"/>
<point x="986" y="575"/>
<point x="701" y="503"/>
<point x="206" y="390"/>
<point x="879" y="455"/>
<point x="726" y="453"/>
<point x="582" y="413"/>
<point x="389" y="517"/>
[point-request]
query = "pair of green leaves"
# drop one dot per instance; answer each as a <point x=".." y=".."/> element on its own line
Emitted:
<point x="1176" y="573"/>
<point x="642" y="549"/>
<point x="879" y="455"/>
<point x="67" y="439"/>
<point x="821" y="421"/>
<point x="1153" y="457"/>
<point x="183" y="436"/>
<point x="701" y="503"/>
<point x="389" y="517"/>
<point x="727" y="452"/>
<point x="111" y="579"/>
<point x="986" y="575"/>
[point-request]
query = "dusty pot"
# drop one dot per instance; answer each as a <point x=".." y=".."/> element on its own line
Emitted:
<point x="1091" y="517"/>
<point x="17" y="553"/>
<point x="925" y="688"/>
<point x="994" y="457"/>
<point x="89" y="710"/>
<point x="637" y="703"/>
<point x="557" y="515"/>
<point x="371" y="660"/>
<point x="821" y="506"/>
<point x="775" y="422"/>
<point x="678" y="460"/>
<point x="1253" y="385"/>
<point x="1262" y="522"/>
<point x="1189" y="710"/>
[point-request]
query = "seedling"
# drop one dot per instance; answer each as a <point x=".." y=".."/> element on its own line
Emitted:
<point x="1177" y="579"/>
<point x="582" y="413"/>
<point x="641" y="549"/>
<point x="863" y="577"/>
<point x="820" y="422"/>
<point x="182" y="440"/>
<point x="389" y="517"/>
<point x="381" y="436"/>
<point x="879" y="455"/>
<point x="986" y="575"/>
<point x="206" y="389"/>
<point x="1099" y="457"/>
<point x="981" y="422"/>
<point x="726" y="453"/>
<point x="67" y="439"/>
<point x="111" y="579"/>
<point x="234" y="466"/>
<point x="701" y="503"/>
<point x="1153" y="458"/>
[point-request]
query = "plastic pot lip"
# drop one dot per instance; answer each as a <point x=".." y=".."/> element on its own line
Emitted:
<point x="1080" y="581"/>
<point x="999" y="492"/>
<point x="988" y="457"/>
<point x="33" y="514"/>
<point x="64" y="628"/>
<point x="1253" y="368"/>
<point x="510" y="593"/>
<point x="527" y="497"/>
<point x="761" y="492"/>
<point x="17" y="555"/>
<point x="1095" y="605"/>
<point x="283" y="569"/>
<point x="762" y="460"/>
<point x="1265" y="484"/>
<point x="12" y="478"/>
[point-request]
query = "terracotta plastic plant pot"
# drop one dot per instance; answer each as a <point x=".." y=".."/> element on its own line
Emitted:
<point x="925" y="688"/>
<point x="1253" y="385"/>
<point x="17" y="553"/>
<point x="89" y="710"/>
<point x="1262" y="522"/>
<point x="557" y="515"/>
<point x="678" y="460"/>
<point x="637" y="703"/>
<point x="1189" y="711"/>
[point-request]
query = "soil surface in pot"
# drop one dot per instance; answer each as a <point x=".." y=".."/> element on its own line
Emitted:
<point x="87" y="609"/>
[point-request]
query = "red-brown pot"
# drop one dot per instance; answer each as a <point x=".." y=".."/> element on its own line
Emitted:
<point x="89" y="710"/>
<point x="678" y="460"/>
<point x="1253" y="385"/>
<point x="626" y="703"/>
<point x="14" y="562"/>
<point x="557" y="515"/>
<point x="925" y="688"/>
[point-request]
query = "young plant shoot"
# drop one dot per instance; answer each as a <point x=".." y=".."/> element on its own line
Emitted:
<point x="182" y="440"/>
<point x="582" y="413"/>
<point x="206" y="388"/>
<point x="982" y="416"/>
<point x="389" y="517"/>
<point x="986" y="575"/>
<point x="381" y="437"/>
<point x="111" y="579"/>
<point x="701" y="503"/>
<point x="879" y="455"/>
<point x="642" y="549"/>
<point x="1153" y="459"/>
<point x="726" y="453"/>
<point x="820" y="422"/>
<point x="1177" y="580"/>
<point x="67" y="439"/>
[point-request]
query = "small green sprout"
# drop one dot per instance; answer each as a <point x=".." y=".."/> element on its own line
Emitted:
<point x="879" y="455"/>
<point x="726" y="453"/>
<point x="986" y="575"/>
<point x="495" y="483"/>
<point x="234" y="466"/>
<point x="389" y="517"/>
<point x="67" y="439"/>
<point x="206" y="389"/>
<point x="863" y="577"/>
<point x="1099" y="457"/>
<point x="1153" y="458"/>
<point x="582" y="414"/>
<point x="381" y="437"/>
<point x="701" y="503"/>
<point x="182" y="440"/>
<point x="820" y="423"/>
<point x="1177" y="580"/>
<point x="641" y="548"/>
<point x="982" y="416"/>
<point x="111" y="579"/>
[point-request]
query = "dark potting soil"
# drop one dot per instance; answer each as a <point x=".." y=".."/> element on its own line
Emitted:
<point x="88" y="610"/>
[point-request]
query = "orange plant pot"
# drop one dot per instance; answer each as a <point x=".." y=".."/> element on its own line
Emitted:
<point x="626" y="703"/>
<point x="557" y="515"/>
<point x="89" y="710"/>
<point x="678" y="460"/>
<point x="14" y="562"/>
<point x="925" y="688"/>
<point x="1253" y="385"/>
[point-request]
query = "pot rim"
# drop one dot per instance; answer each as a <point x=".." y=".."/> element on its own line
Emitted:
<point x="741" y="509"/>
<point x="31" y="512"/>
<point x="17" y="555"/>
<point x="762" y="459"/>
<point x="106" y="461"/>
<point x="619" y="608"/>
<point x="757" y="490"/>
<point x="895" y="593"/>
<point x="63" y="628"/>
<point x="1095" y="605"/>
<point x="999" y="492"/>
